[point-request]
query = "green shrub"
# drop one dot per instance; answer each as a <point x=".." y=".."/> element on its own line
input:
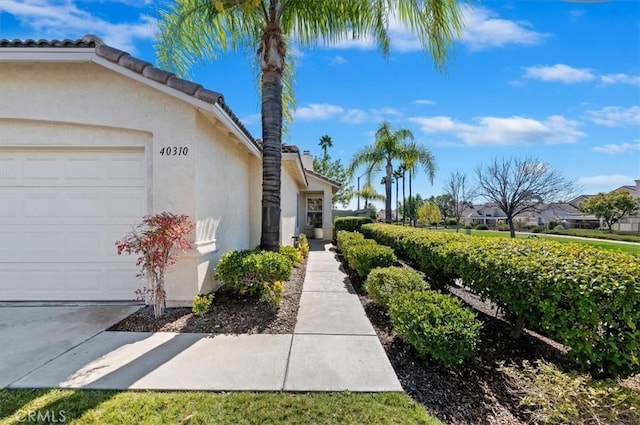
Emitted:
<point x="349" y="224"/>
<point x="273" y="293"/>
<point x="598" y="234"/>
<point x="293" y="254"/>
<point x="365" y="257"/>
<point x="468" y="226"/>
<point x="482" y="227"/>
<point x="303" y="245"/>
<point x="537" y="229"/>
<point x="347" y="238"/>
<point x="503" y="227"/>
<point x="436" y="325"/>
<point x="383" y="282"/>
<point x="201" y="304"/>
<point x="584" y="297"/>
<point x="245" y="272"/>
<point x="452" y="221"/>
<point x="554" y="397"/>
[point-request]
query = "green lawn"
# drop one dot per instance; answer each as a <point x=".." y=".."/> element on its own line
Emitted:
<point x="145" y="407"/>
<point x="628" y="248"/>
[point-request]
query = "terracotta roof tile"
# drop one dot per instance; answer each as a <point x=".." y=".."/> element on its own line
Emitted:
<point x="138" y="66"/>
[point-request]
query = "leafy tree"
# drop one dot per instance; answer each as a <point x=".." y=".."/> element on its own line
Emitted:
<point x="429" y="213"/>
<point x="335" y="171"/>
<point x="191" y="30"/>
<point x="369" y="193"/>
<point x="611" y="207"/>
<point x="519" y="185"/>
<point x="444" y="204"/>
<point x="460" y="194"/>
<point x="415" y="155"/>
<point x="411" y="206"/>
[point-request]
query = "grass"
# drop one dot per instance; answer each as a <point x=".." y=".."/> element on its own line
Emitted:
<point x="625" y="247"/>
<point x="145" y="407"/>
<point x="598" y="234"/>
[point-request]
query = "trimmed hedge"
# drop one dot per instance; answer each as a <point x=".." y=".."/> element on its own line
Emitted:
<point x="584" y="297"/>
<point x="597" y="234"/>
<point x="383" y="282"/>
<point x="436" y="325"/>
<point x="364" y="255"/>
<point x="247" y="272"/>
<point x="349" y="224"/>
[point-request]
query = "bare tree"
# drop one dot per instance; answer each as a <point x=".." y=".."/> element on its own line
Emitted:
<point x="460" y="193"/>
<point x="519" y="185"/>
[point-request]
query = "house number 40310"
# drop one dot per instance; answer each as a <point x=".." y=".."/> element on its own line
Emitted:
<point x="174" y="151"/>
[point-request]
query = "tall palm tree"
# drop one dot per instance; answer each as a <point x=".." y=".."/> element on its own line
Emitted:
<point x="192" y="30"/>
<point x="397" y="175"/>
<point x="388" y="147"/>
<point x="415" y="156"/>
<point x="325" y="144"/>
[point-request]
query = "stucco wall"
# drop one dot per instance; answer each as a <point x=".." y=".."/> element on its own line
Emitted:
<point x="288" y="197"/>
<point x="317" y="188"/>
<point x="84" y="105"/>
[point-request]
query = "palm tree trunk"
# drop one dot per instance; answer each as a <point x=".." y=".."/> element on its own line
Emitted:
<point x="410" y="202"/>
<point x="397" y="206"/>
<point x="272" y="53"/>
<point x="387" y="191"/>
<point x="404" y="202"/>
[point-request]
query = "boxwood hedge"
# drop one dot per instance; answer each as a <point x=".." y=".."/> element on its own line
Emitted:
<point x="584" y="297"/>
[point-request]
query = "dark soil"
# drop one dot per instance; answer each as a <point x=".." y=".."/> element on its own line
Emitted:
<point x="476" y="393"/>
<point x="228" y="314"/>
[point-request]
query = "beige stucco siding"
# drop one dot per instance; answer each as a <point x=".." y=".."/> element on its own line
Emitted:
<point x="80" y="105"/>
<point x="288" y="198"/>
<point x="320" y="188"/>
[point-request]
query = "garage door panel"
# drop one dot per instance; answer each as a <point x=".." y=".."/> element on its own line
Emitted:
<point x="61" y="212"/>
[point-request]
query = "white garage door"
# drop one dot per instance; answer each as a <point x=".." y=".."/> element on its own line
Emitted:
<point x="61" y="210"/>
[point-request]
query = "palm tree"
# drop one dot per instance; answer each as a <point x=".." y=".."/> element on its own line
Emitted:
<point x="369" y="193"/>
<point x="397" y="175"/>
<point x="192" y="30"/>
<point x="414" y="156"/>
<point x="388" y="147"/>
<point x="325" y="144"/>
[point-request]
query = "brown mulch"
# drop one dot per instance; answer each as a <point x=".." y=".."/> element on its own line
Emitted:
<point x="228" y="314"/>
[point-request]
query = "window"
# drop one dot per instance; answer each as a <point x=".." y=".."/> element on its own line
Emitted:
<point x="314" y="211"/>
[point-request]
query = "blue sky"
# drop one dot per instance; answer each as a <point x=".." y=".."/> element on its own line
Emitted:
<point x="556" y="80"/>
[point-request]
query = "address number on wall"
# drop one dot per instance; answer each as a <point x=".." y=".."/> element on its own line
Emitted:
<point x="174" y="151"/>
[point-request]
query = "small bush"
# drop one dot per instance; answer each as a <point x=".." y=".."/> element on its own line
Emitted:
<point x="347" y="238"/>
<point x="367" y="256"/>
<point x="452" y="221"/>
<point x="292" y="254"/>
<point x="201" y="304"/>
<point x="303" y="245"/>
<point x="349" y="224"/>
<point x="552" y="224"/>
<point x="468" y="227"/>
<point x="436" y="325"/>
<point x="537" y="229"/>
<point x="482" y="227"/>
<point x="384" y="282"/>
<point x="554" y="397"/>
<point x="273" y="293"/>
<point x="244" y="272"/>
<point x="503" y="227"/>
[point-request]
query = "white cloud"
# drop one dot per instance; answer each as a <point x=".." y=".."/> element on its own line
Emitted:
<point x="59" y="18"/>
<point x="615" y="116"/>
<point x="251" y="119"/>
<point x="618" y="148"/>
<point x="620" y="79"/>
<point x="317" y="111"/>
<point x="423" y="102"/>
<point x="359" y="116"/>
<point x="338" y="60"/>
<point x="576" y="14"/>
<point x="560" y="73"/>
<point x="355" y="116"/>
<point x="603" y="183"/>
<point x="498" y="131"/>
<point x="484" y="30"/>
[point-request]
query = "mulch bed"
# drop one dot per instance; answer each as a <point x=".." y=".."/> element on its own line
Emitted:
<point x="476" y="393"/>
<point x="228" y="314"/>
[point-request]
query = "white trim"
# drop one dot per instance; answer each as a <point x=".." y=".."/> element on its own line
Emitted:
<point x="290" y="156"/>
<point x="44" y="54"/>
<point x="323" y="180"/>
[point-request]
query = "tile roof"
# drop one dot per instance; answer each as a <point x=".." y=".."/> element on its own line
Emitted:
<point x="138" y="66"/>
<point x="321" y="177"/>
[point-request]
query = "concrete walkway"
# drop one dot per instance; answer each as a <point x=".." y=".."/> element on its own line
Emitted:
<point x="333" y="348"/>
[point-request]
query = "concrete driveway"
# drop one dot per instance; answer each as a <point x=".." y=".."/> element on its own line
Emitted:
<point x="31" y="336"/>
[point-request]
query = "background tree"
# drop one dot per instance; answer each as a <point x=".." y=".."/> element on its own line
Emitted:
<point x="414" y="157"/>
<point x="519" y="185"/>
<point x="397" y="175"/>
<point x="429" y="213"/>
<point x="369" y="193"/>
<point x="411" y="206"/>
<point x="192" y="30"/>
<point x="389" y="146"/>
<point x="460" y="194"/>
<point x="611" y="207"/>
<point x="444" y="204"/>
<point x="335" y="171"/>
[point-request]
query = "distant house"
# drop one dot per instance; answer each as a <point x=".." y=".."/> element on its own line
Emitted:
<point x="93" y="139"/>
